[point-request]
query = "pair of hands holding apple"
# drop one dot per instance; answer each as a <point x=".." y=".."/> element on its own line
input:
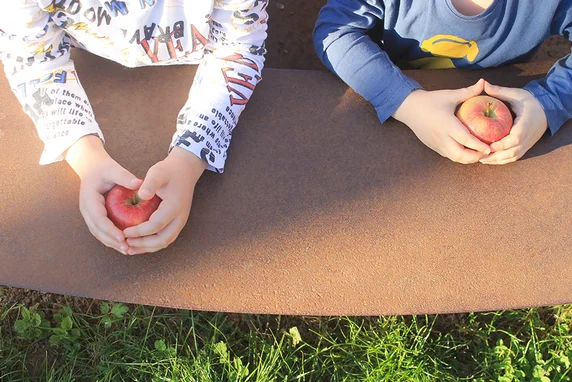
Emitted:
<point x="431" y="116"/>
<point x="173" y="180"/>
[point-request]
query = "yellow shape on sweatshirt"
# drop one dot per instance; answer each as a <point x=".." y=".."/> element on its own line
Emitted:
<point x="445" y="47"/>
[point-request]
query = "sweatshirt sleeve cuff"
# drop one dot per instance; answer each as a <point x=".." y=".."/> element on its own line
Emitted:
<point x="399" y="87"/>
<point x="197" y="145"/>
<point x="54" y="152"/>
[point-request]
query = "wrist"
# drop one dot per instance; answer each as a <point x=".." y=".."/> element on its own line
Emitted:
<point x="188" y="160"/>
<point x="407" y="107"/>
<point x="85" y="153"/>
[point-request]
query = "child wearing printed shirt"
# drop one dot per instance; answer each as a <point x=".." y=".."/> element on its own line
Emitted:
<point x="447" y="34"/>
<point x="225" y="37"/>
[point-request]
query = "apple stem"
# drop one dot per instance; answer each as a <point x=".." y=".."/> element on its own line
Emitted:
<point x="134" y="199"/>
<point x="488" y="110"/>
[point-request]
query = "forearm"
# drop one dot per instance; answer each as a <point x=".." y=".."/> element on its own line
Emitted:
<point x="218" y="96"/>
<point x="36" y="57"/>
<point x="554" y="93"/>
<point x="224" y="82"/>
<point x="341" y="41"/>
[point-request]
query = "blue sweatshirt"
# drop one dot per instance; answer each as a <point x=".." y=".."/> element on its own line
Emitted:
<point x="360" y="40"/>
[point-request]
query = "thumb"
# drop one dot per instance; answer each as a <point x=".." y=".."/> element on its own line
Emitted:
<point x="461" y="95"/>
<point x="126" y="179"/>
<point x="500" y="92"/>
<point x="153" y="181"/>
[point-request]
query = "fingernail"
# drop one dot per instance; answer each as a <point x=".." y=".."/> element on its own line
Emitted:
<point x="119" y="238"/>
<point x="487" y="151"/>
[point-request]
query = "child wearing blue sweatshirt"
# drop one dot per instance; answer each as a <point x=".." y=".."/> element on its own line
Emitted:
<point x="449" y="34"/>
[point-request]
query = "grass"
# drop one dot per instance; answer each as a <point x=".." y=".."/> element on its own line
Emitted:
<point x="115" y="342"/>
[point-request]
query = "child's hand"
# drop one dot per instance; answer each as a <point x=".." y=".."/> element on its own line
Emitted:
<point x="173" y="180"/>
<point x="99" y="173"/>
<point x="529" y="125"/>
<point x="431" y="116"/>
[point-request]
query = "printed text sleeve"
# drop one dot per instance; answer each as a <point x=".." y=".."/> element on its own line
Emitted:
<point x="35" y="54"/>
<point x="225" y="80"/>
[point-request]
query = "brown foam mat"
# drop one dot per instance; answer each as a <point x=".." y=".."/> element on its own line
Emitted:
<point x="321" y="210"/>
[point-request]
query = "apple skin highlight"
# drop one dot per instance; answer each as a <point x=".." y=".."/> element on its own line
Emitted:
<point x="125" y="208"/>
<point x="489" y="127"/>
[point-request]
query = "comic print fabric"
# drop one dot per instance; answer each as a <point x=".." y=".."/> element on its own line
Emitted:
<point x="225" y="37"/>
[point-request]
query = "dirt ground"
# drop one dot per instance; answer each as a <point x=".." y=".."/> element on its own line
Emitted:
<point x="290" y="26"/>
<point x="289" y="46"/>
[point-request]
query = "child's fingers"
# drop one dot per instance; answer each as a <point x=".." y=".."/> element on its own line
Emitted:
<point x="461" y="135"/>
<point x="504" y="157"/>
<point x="106" y="239"/>
<point x="124" y="178"/>
<point x="164" y="215"/>
<point x="514" y="138"/>
<point x="458" y="153"/>
<point x="110" y="242"/>
<point x="153" y="181"/>
<point x="509" y="95"/>
<point x="95" y="216"/>
<point x="461" y="95"/>
<point x="507" y="142"/>
<point x="147" y="228"/>
<point x="98" y="215"/>
<point x="156" y="242"/>
<point x="104" y="225"/>
<point x="512" y="147"/>
<point x="92" y="206"/>
<point x="148" y="244"/>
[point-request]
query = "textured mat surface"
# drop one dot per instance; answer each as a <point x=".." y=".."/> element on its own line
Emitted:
<point x="321" y="210"/>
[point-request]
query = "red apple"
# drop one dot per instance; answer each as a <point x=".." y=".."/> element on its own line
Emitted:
<point x="126" y="209"/>
<point x="487" y="118"/>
